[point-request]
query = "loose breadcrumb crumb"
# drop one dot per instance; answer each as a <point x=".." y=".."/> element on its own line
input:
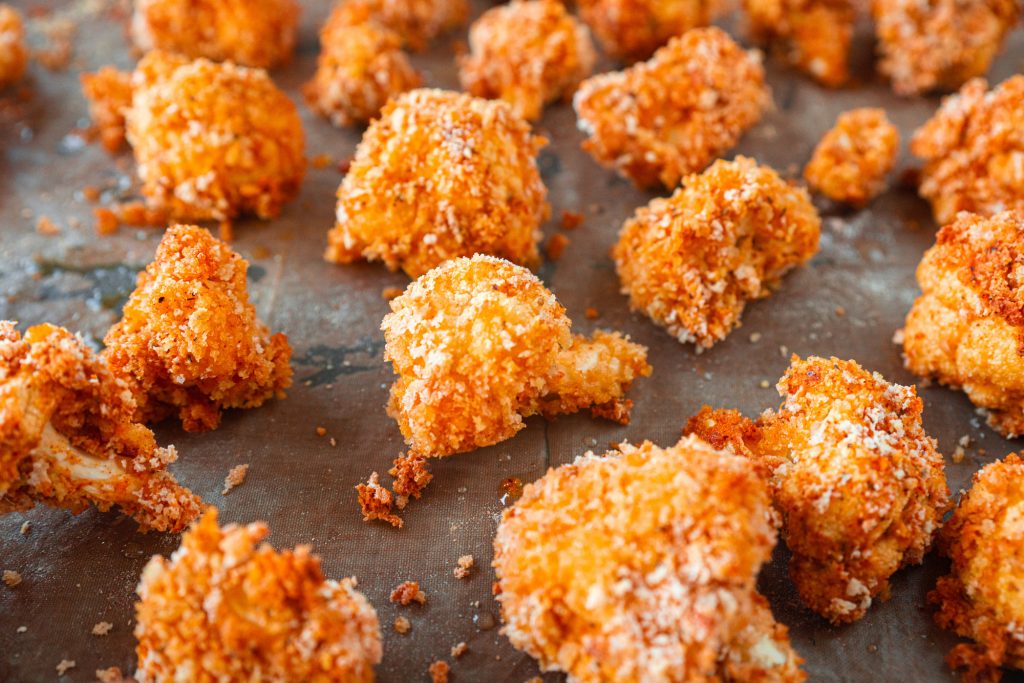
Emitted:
<point x="65" y="665"/>
<point x="556" y="246"/>
<point x="439" y="671"/>
<point x="408" y="592"/>
<point x="376" y="501"/>
<point x="45" y="226"/>
<point x="11" y="578"/>
<point x="459" y="649"/>
<point x="411" y="475"/>
<point x="102" y="628"/>
<point x="465" y="563"/>
<point x="572" y="220"/>
<point x="110" y="675"/>
<point x="26" y="526"/>
<point x="321" y="431"/>
<point x="591" y="313"/>
<point x="235" y="478"/>
<point x="402" y="625"/>
<point x="852" y="160"/>
<point x="106" y="221"/>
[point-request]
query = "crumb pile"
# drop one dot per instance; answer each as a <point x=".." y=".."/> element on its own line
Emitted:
<point x="659" y="120"/>
<point x="812" y="35"/>
<point x="854" y="157"/>
<point x="860" y="485"/>
<point x="631" y="30"/>
<point x="727" y="236"/>
<point x="642" y="565"/>
<point x="478" y="344"/>
<point x="68" y="439"/>
<point x="437" y="176"/>
<point x="189" y="343"/>
<point x="13" y="50"/>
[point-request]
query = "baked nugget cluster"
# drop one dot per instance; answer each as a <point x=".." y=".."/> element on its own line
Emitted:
<point x="967" y="327"/>
<point x="437" y="176"/>
<point x="860" y="485"/>
<point x="670" y="116"/>
<point x="479" y="344"/>
<point x="927" y="45"/>
<point x="852" y="159"/>
<point x="528" y="53"/>
<point x="259" y="33"/>
<point x="972" y="148"/>
<point x="631" y="30"/>
<point x="13" y="50"/>
<point x="226" y="609"/>
<point x="812" y="35"/>
<point x="691" y="262"/>
<point x="361" y="66"/>
<point x="641" y="566"/>
<point x="68" y="437"/>
<point x="983" y="596"/>
<point x="189" y="343"/>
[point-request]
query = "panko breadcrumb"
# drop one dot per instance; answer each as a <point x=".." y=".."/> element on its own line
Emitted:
<point x="974" y="151"/>
<point x="812" y="35"/>
<point x="662" y="119"/>
<point x="224" y="609"/>
<point x="528" y="53"/>
<point x="983" y="596"/>
<point x="258" y="33"/>
<point x="727" y="236"/>
<point x="13" y="49"/>
<point x="68" y="436"/>
<point x="479" y="344"/>
<point x="642" y="565"/>
<point x="408" y="592"/>
<point x="967" y="328"/>
<point x="927" y="45"/>
<point x="852" y="159"/>
<point x="631" y="30"/>
<point x="420" y="21"/>
<point x="189" y="343"/>
<point x="376" y="502"/>
<point x="860" y="485"/>
<point x="361" y="66"/>
<point x="437" y="176"/>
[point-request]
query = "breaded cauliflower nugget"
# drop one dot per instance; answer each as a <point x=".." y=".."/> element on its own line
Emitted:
<point x="189" y="343"/>
<point x="478" y="344"/>
<point x="812" y="35"/>
<point x="972" y="149"/>
<point x="983" y="596"/>
<point x="420" y="21"/>
<point x="860" y="485"/>
<point x="528" y="53"/>
<point x="13" y="50"/>
<point x="927" y="45"/>
<point x="68" y="439"/>
<point x="641" y="566"/>
<point x="361" y="66"/>
<point x="691" y="262"/>
<point x="662" y="119"/>
<point x="441" y="175"/>
<point x="631" y="30"/>
<point x="259" y="33"/>
<point x="967" y="327"/>
<point x="224" y="609"/>
<point x="852" y="159"/>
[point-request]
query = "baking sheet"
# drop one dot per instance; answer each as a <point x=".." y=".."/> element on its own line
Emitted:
<point x="82" y="570"/>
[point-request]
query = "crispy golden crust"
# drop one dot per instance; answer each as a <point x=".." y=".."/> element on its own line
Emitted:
<point x="983" y="596"/>
<point x="967" y="327"/>
<point x="361" y="66"/>
<point x="478" y="344"/>
<point x="929" y="45"/>
<point x="631" y="30"/>
<point x="860" y="486"/>
<point x="812" y="35"/>
<point x="852" y="159"/>
<point x="662" y="119"/>
<point x="420" y="21"/>
<point x="224" y="609"/>
<point x="657" y="582"/>
<point x="972" y="149"/>
<point x="109" y="93"/>
<point x="528" y="53"/>
<point x="441" y="175"/>
<point x="68" y="439"/>
<point x="189" y="343"/>
<point x="258" y="33"/>
<point x="13" y="49"/>
<point x="728" y="235"/>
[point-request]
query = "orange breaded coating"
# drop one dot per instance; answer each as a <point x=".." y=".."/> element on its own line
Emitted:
<point x="68" y="439"/>
<point x="361" y="66"/>
<point x="631" y="30"/>
<point x="662" y="119"/>
<point x="967" y="327"/>
<point x="258" y="33"/>
<point x="983" y="596"/>
<point x="860" y="486"/>
<point x="189" y="343"/>
<point x="437" y="176"/>
<point x="420" y="21"/>
<point x="972" y="149"/>
<point x="641" y="565"/>
<point x="479" y="344"/>
<point x="528" y="53"/>
<point x="812" y="35"/>
<point x="728" y="235"/>
<point x="13" y="49"/>
<point x="226" y="609"/>
<point x="852" y="159"/>
<point x="927" y="45"/>
<point x="109" y="92"/>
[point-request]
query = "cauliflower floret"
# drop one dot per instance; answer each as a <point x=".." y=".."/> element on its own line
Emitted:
<point x="852" y="159"/>
<point x="420" y="21"/>
<point x="812" y="35"/>
<point x="13" y="50"/>
<point x="631" y="30"/>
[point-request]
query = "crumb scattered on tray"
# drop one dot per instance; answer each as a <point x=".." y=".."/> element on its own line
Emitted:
<point x="64" y="666"/>
<point x="102" y="628"/>
<point x="408" y="592"/>
<point x="465" y="564"/>
<point x="389" y="293"/>
<point x="591" y="313"/>
<point x="11" y="578"/>
<point x="402" y="625"/>
<point x="44" y="226"/>
<point x="459" y="650"/>
<point x="21" y="629"/>
<point x="411" y="476"/>
<point x="235" y="477"/>
<point x="110" y="675"/>
<point x="556" y="246"/>
<point x="439" y="671"/>
<point x="320" y="161"/>
<point x="26" y="526"/>
<point x="321" y="431"/>
<point x="571" y="220"/>
<point x="376" y="501"/>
